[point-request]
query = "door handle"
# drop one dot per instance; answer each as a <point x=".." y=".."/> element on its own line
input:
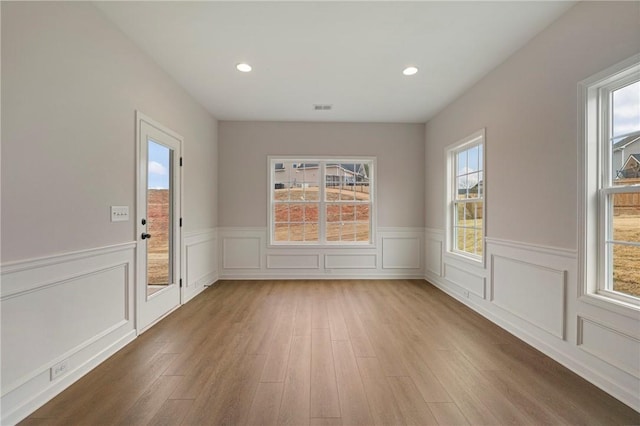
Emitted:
<point x="144" y="236"/>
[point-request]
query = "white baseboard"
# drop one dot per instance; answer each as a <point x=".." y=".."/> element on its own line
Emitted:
<point x="550" y="320"/>
<point x="359" y="276"/>
<point x="245" y="254"/>
<point x="84" y="299"/>
<point x="38" y="400"/>
<point x="200" y="261"/>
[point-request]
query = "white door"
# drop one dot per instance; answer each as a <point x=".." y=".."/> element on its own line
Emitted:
<point x="158" y="225"/>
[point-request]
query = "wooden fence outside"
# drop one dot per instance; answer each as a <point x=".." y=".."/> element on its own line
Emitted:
<point x="628" y="199"/>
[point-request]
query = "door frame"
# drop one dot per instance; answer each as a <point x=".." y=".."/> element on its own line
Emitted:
<point x="141" y="199"/>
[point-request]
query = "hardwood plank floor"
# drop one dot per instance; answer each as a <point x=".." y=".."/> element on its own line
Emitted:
<point x="329" y="353"/>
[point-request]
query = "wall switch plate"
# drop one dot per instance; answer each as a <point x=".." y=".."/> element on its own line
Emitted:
<point x="119" y="213"/>
<point x="59" y="369"/>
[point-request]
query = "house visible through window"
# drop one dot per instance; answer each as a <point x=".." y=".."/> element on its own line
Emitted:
<point x="466" y="196"/>
<point x="612" y="183"/>
<point x="620" y="200"/>
<point x="321" y="201"/>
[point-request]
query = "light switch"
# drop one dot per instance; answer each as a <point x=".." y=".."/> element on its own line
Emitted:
<point x="119" y="213"/>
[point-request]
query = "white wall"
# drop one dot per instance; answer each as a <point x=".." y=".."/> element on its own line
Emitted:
<point x="244" y="147"/>
<point x="243" y="236"/>
<point x="529" y="107"/>
<point x="71" y="84"/>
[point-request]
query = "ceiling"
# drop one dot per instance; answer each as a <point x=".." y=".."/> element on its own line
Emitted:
<point x="346" y="54"/>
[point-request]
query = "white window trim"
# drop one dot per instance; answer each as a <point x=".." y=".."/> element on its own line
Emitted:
<point x="592" y="135"/>
<point x="322" y="160"/>
<point x="474" y="138"/>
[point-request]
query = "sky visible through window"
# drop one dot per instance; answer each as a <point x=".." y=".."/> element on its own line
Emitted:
<point x="468" y="162"/>
<point x="626" y="110"/>
<point x="158" y="172"/>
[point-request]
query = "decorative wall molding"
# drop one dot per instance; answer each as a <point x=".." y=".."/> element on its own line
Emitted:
<point x="433" y="251"/>
<point x="554" y="251"/>
<point x="84" y="299"/>
<point x="58" y="258"/>
<point x="613" y="346"/>
<point x="241" y="252"/>
<point x="530" y="291"/>
<point x="436" y="232"/>
<point x="433" y="257"/>
<point x="200" y="261"/>
<point x="466" y="280"/>
<point x="351" y="261"/>
<point x="57" y="261"/>
<point x="568" y="356"/>
<point x="245" y="254"/>
<point x="401" y="252"/>
<point x="293" y="261"/>
<point x="533" y="293"/>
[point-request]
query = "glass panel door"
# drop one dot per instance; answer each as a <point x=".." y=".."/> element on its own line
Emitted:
<point x="158" y="207"/>
<point x="159" y="217"/>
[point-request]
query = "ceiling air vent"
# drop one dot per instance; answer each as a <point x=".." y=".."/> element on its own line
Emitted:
<point x="322" y="107"/>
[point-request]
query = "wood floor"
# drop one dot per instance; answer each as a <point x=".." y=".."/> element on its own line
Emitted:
<point x="330" y="353"/>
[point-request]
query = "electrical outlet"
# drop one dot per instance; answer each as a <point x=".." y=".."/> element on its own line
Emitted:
<point x="466" y="294"/>
<point x="119" y="213"/>
<point x="59" y="369"/>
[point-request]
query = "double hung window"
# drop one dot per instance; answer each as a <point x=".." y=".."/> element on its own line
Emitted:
<point x="466" y="188"/>
<point x="611" y="179"/>
<point x="321" y="201"/>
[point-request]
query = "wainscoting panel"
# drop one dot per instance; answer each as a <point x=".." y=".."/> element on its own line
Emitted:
<point x="466" y="280"/>
<point x="245" y="254"/>
<point x="200" y="260"/>
<point x="293" y="261"/>
<point x="434" y="256"/>
<point x="401" y="252"/>
<point x="350" y="261"/>
<point x="613" y="346"/>
<point x="241" y="252"/>
<point x="73" y="310"/>
<point x="532" y="292"/>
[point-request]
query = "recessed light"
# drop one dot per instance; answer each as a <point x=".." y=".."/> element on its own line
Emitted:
<point x="243" y="67"/>
<point x="410" y="71"/>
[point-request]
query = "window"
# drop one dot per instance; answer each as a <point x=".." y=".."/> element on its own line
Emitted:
<point x="321" y="201"/>
<point x="466" y="189"/>
<point x="610" y="244"/>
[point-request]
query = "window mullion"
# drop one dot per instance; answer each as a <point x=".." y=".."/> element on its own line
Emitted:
<point x="322" y="206"/>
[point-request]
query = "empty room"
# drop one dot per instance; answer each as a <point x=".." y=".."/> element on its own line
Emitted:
<point x="320" y="213"/>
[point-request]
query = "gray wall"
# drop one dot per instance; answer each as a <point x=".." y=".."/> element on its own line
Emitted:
<point x="529" y="108"/>
<point x="244" y="147"/>
<point x="69" y="94"/>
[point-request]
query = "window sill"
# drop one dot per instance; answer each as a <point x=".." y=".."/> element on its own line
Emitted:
<point x="613" y="305"/>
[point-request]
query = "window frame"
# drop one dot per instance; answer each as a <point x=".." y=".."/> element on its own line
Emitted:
<point x="322" y="161"/>
<point x="476" y="138"/>
<point x="595" y="183"/>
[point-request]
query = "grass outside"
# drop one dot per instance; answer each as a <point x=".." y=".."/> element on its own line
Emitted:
<point x="470" y="236"/>
<point x="468" y="228"/>
<point x="626" y="259"/>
